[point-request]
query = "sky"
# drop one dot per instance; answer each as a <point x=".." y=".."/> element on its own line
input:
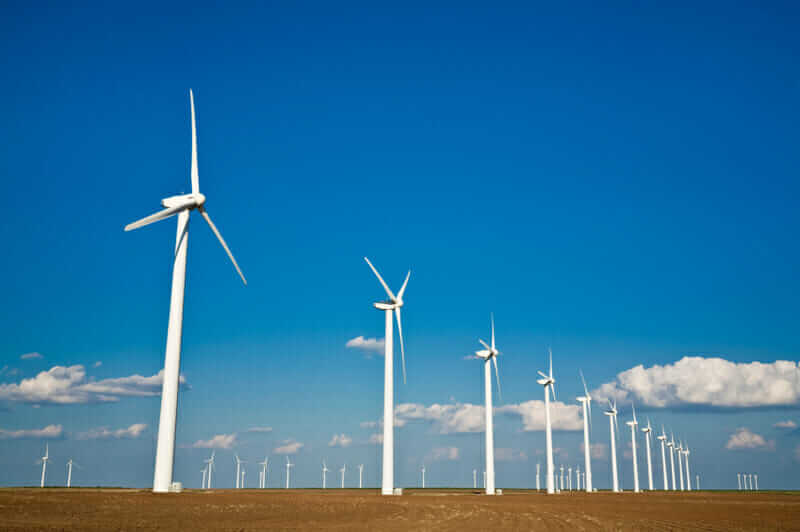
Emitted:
<point x="617" y="184"/>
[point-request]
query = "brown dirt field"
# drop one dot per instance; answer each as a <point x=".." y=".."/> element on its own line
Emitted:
<point x="440" y="510"/>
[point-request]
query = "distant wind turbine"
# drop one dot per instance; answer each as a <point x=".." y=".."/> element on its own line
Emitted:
<point x="537" y="476"/>
<point x="671" y="445"/>
<point x="239" y="463"/>
<point x="343" y="470"/>
<point x="489" y="355"/>
<point x="586" y="402"/>
<point x="324" y="474"/>
<point x="360" y="475"/>
<point x="663" y="439"/>
<point x="289" y="465"/>
<point x="210" y="467"/>
<point x="204" y="471"/>
<point x="70" y="463"/>
<point x="394" y="305"/>
<point x="264" y="466"/>
<point x="688" y="472"/>
<point x="547" y="381"/>
<point x="474" y="479"/>
<point x="45" y="459"/>
<point x="181" y="205"/>
<point x="679" y="452"/>
<point x="423" y="476"/>
<point x="633" y="424"/>
<point x="648" y="434"/>
<point x="612" y="421"/>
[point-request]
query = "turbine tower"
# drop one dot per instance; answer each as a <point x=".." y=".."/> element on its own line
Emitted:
<point x="343" y="470"/>
<point x="70" y="463"/>
<point x="210" y="467"/>
<point x="613" y="425"/>
<point x="203" y="482"/>
<point x="181" y="205"/>
<point x="360" y="475"/>
<point x="423" y="476"/>
<point x="243" y="484"/>
<point x="548" y="382"/>
<point x="289" y="465"/>
<point x="663" y="439"/>
<point x="648" y="433"/>
<point x="679" y="452"/>
<point x="394" y="304"/>
<point x="238" y="470"/>
<point x="688" y="473"/>
<point x="671" y="445"/>
<point x="264" y="466"/>
<point x="586" y="402"/>
<point x="489" y="355"/>
<point x="474" y="479"/>
<point x="739" y="480"/>
<point x="537" y="476"/>
<point x="633" y="424"/>
<point x="324" y="473"/>
<point x="45" y="459"/>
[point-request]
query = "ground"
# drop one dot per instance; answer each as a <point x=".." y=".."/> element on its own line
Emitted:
<point x="430" y="509"/>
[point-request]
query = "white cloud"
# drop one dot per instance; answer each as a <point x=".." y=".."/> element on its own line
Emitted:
<point x="743" y="438"/>
<point x="103" y="433"/>
<point x="340" y="440"/>
<point x="259" y="429"/>
<point x="48" y="432"/>
<point x="288" y="447"/>
<point x="447" y="419"/>
<point x="220" y="441"/>
<point x="562" y="416"/>
<point x="368" y="424"/>
<point x="443" y="453"/>
<point x="503" y="454"/>
<point x="710" y="382"/>
<point x="63" y="385"/>
<point x="97" y="364"/>
<point x="376" y="438"/>
<point x="788" y="424"/>
<point x="30" y="356"/>
<point x="368" y="345"/>
<point x="598" y="451"/>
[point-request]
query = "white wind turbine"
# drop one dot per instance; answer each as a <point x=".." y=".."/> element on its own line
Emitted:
<point x="489" y="355"/>
<point x="70" y="463"/>
<point x="324" y="474"/>
<point x="210" y="467"/>
<point x="423" y="476"/>
<point x="739" y="480"/>
<point x="671" y="445"/>
<point x="586" y="402"/>
<point x="537" y="476"/>
<point x="289" y="465"/>
<point x="204" y="471"/>
<point x="547" y="381"/>
<point x="360" y="475"/>
<point x="239" y="463"/>
<point x="264" y="465"/>
<point x="45" y="459"/>
<point x="394" y="304"/>
<point x="243" y="484"/>
<point x="578" y="477"/>
<point x="181" y="205"/>
<point x="686" y="463"/>
<point x="612" y="420"/>
<point x="648" y="434"/>
<point x="679" y="452"/>
<point x="633" y="424"/>
<point x="343" y="470"/>
<point x="663" y="439"/>
<point x="474" y="479"/>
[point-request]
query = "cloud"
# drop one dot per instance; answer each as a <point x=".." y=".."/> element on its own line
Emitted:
<point x="102" y="433"/>
<point x="220" y="441"/>
<point x="598" y="451"/>
<point x="443" y="453"/>
<point x="62" y="385"/>
<point x="447" y="419"/>
<point x="743" y="438"/>
<point x="288" y="447"/>
<point x="503" y="454"/>
<point x="8" y="372"/>
<point x="340" y="440"/>
<point x="368" y="424"/>
<point x="259" y="429"/>
<point x="49" y="432"/>
<point x="97" y="364"/>
<point x="788" y="424"/>
<point x="369" y="346"/>
<point x="376" y="438"/>
<point x="707" y="382"/>
<point x="562" y="416"/>
<point x="30" y="356"/>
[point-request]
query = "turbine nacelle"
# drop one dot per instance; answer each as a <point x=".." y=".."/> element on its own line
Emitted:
<point x="387" y="305"/>
<point x="187" y="201"/>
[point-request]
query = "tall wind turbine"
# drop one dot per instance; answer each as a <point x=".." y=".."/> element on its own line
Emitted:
<point x="324" y="474"/>
<point x="264" y="466"/>
<point x="679" y="452"/>
<point x="663" y="439"/>
<point x="210" y="466"/>
<point x="547" y="381"/>
<point x="671" y="445"/>
<point x="394" y="304"/>
<point x="70" y="463"/>
<point x="343" y="470"/>
<point x="243" y="484"/>
<point x="289" y="465"/>
<point x="612" y="421"/>
<point x="739" y="480"/>
<point x="181" y="205"/>
<point x="537" y="476"/>
<point x="633" y="424"/>
<point x="239" y="463"/>
<point x="423" y="476"/>
<point x="586" y="402"/>
<point x="45" y="459"/>
<point x="686" y="463"/>
<point x="360" y="475"/>
<point x="489" y="355"/>
<point x="648" y="434"/>
<point x="474" y="479"/>
<point x="204" y="471"/>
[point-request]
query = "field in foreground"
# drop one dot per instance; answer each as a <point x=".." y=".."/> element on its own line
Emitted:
<point x="441" y="510"/>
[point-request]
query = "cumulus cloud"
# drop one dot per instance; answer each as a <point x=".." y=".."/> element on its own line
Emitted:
<point x="788" y="424"/>
<point x="62" y="385"/>
<point x="443" y="453"/>
<point x="30" y="356"/>
<point x="709" y="382"/>
<point x="562" y="416"/>
<point x="340" y="440"/>
<point x="369" y="346"/>
<point x="220" y="441"/>
<point x="103" y="433"/>
<point x="376" y="438"/>
<point x="49" y="432"/>
<point x="743" y="438"/>
<point x="288" y="447"/>
<point x="503" y="454"/>
<point x="447" y="419"/>
<point x="259" y="429"/>
<point x="598" y="451"/>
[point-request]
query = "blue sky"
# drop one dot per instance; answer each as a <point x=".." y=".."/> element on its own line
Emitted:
<point x="618" y="184"/>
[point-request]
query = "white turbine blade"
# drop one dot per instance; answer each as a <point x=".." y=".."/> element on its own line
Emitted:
<point x="156" y="217"/>
<point x="195" y="178"/>
<point x="484" y="344"/>
<point x="383" y="283"/>
<point x="551" y="362"/>
<point x="492" y="318"/>
<point x="542" y="374"/>
<point x="585" y="389"/>
<point x="633" y="406"/>
<point x="403" y="288"/>
<point x="402" y="349"/>
<point x="553" y="390"/>
<point x="222" y="241"/>
<point x="497" y="374"/>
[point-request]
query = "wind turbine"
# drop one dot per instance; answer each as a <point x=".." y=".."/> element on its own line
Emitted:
<point x="561" y="479"/>
<point x="394" y="304"/>
<point x="423" y="476"/>
<point x="739" y="480"/>
<point x="569" y="478"/>
<point x="360" y="475"/>
<point x="343" y="470"/>
<point x="181" y="205"/>
<point x="489" y="355"/>
<point x="612" y="421"/>
<point x="671" y="445"/>
<point x="697" y="482"/>
<point x="238" y="469"/>
<point x="633" y="424"/>
<point x="474" y="479"/>
<point x="70" y="463"/>
<point x="663" y="439"/>
<point x="288" y="466"/>
<point x="537" y="476"/>
<point x="203" y="482"/>
<point x="547" y="381"/>
<point x="45" y="459"/>
<point x="264" y="466"/>
<point x="686" y="463"/>
<point x="679" y="452"/>
<point x="324" y="473"/>
<point x="648" y="430"/>
<point x="578" y="477"/>
<point x="586" y="402"/>
<point x="210" y="466"/>
<point x="755" y="476"/>
<point x="243" y="484"/>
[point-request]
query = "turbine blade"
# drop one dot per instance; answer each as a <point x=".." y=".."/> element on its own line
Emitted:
<point x="492" y="318"/>
<point x="497" y="374"/>
<point x="156" y="217"/>
<point x="383" y="283"/>
<point x="553" y="390"/>
<point x="542" y="374"/>
<point x="403" y="288"/>
<point x="402" y="348"/>
<point x="551" y="361"/>
<point x="585" y="389"/>
<point x="195" y="178"/>
<point x="222" y="241"/>
<point x="633" y="406"/>
<point x="484" y="344"/>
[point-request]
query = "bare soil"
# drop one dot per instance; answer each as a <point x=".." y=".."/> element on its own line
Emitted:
<point x="431" y="509"/>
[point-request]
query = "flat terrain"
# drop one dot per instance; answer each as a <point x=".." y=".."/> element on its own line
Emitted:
<point x="440" y="510"/>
